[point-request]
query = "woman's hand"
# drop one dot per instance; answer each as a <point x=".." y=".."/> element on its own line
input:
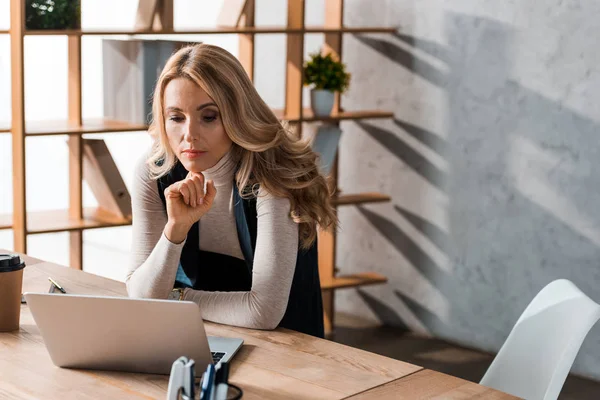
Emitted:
<point x="186" y="204"/>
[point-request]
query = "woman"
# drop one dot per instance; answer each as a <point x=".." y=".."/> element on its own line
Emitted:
<point x="227" y="202"/>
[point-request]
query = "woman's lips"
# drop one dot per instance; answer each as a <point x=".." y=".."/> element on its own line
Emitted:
<point x="191" y="154"/>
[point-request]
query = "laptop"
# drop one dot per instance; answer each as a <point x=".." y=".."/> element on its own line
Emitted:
<point x="124" y="334"/>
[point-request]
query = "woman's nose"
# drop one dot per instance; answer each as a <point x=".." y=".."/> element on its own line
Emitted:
<point x="188" y="135"/>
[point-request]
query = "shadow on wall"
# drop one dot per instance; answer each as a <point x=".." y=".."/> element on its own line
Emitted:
<point x="522" y="190"/>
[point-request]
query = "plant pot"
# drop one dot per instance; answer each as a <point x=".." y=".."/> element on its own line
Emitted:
<point x="321" y="102"/>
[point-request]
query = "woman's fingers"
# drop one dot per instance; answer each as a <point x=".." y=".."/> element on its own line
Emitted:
<point x="192" y="189"/>
<point x="198" y="181"/>
<point x="185" y="192"/>
<point x="211" y="192"/>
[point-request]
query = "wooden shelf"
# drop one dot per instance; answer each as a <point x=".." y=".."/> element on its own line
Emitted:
<point x="216" y="31"/>
<point x="354" y="280"/>
<point x="59" y="221"/>
<point x="95" y="125"/>
<point x="5" y="221"/>
<point x="308" y="116"/>
<point x="100" y="125"/>
<point x="361" y="198"/>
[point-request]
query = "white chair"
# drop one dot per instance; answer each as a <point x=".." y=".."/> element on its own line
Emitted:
<point x="536" y="358"/>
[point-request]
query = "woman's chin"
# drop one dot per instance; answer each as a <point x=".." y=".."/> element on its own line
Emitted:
<point x="196" y="165"/>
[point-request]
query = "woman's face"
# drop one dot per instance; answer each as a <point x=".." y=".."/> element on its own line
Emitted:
<point x="194" y="126"/>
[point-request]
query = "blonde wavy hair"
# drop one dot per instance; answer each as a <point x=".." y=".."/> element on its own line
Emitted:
<point x="269" y="155"/>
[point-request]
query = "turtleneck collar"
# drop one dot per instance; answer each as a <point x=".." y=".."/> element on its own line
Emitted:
<point x="222" y="172"/>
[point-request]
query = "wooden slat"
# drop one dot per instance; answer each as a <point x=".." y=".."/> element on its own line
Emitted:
<point x="4" y="127"/>
<point x="4" y="32"/>
<point x="347" y="115"/>
<point x="5" y="221"/>
<point x="307" y="115"/>
<point x="99" y="125"/>
<point x="218" y="31"/>
<point x="360" y="198"/>
<point x="334" y="19"/>
<point x="428" y="384"/>
<point x="334" y="12"/>
<point x="326" y="257"/>
<point x="349" y="29"/>
<point x="75" y="151"/>
<point x="19" y="223"/>
<point x="59" y="220"/>
<point x="353" y="280"/>
<point x="164" y="16"/>
<point x="246" y="41"/>
<point x="270" y="365"/>
<point x="294" y="63"/>
<point x="92" y="125"/>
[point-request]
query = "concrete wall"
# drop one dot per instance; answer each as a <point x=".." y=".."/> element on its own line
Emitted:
<point x="490" y="162"/>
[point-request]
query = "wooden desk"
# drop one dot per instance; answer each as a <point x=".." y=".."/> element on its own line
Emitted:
<point x="428" y="384"/>
<point x="271" y="364"/>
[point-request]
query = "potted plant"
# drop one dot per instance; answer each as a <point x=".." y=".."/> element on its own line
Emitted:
<point x="52" y="14"/>
<point x="326" y="76"/>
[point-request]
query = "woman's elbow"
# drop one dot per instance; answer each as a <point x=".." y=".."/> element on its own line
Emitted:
<point x="270" y="323"/>
<point x="267" y="317"/>
<point x="137" y="291"/>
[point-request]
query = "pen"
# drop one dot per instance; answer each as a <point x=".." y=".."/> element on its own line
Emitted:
<point x="208" y="382"/>
<point x="57" y="285"/>
<point x="221" y="380"/>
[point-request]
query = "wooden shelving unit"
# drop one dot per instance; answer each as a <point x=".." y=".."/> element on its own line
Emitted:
<point x="103" y="125"/>
<point x="75" y="219"/>
<point x="355" y="280"/>
<point x="361" y="198"/>
<point x="215" y="31"/>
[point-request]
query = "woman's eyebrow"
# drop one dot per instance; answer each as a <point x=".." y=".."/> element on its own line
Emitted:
<point x="200" y="107"/>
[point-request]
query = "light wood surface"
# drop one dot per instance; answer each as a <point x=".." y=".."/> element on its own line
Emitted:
<point x="5" y="221"/>
<point x="360" y="198"/>
<point x="91" y="125"/>
<point x="353" y="280"/>
<point x="294" y="62"/>
<point x="219" y="30"/>
<point x="19" y="218"/>
<point x="428" y="384"/>
<point x="271" y="364"/>
<point x="346" y="115"/>
<point x="59" y="220"/>
<point x="246" y="41"/>
<point x="75" y="143"/>
<point x="99" y="125"/>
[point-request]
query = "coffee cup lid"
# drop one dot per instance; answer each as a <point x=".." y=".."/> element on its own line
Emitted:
<point x="10" y="262"/>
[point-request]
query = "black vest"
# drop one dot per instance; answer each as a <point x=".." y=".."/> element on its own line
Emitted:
<point x="220" y="272"/>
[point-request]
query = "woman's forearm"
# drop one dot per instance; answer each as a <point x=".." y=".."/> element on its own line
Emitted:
<point x="154" y="259"/>
<point x="155" y="277"/>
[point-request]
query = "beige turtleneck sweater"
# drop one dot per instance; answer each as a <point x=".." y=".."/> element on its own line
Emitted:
<point x="155" y="259"/>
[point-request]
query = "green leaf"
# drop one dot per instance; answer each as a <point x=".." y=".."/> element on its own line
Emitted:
<point x="323" y="72"/>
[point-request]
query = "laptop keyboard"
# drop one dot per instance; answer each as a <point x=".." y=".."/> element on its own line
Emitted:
<point x="217" y="355"/>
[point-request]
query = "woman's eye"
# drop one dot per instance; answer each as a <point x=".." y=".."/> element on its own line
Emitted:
<point x="175" y="118"/>
<point x="209" y="117"/>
